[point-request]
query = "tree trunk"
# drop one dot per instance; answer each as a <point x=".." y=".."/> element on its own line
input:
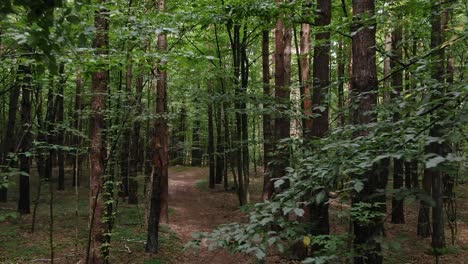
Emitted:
<point x="60" y="137"/>
<point x="26" y="141"/>
<point x="100" y="79"/>
<point x="9" y="142"/>
<point x="197" y="151"/>
<point x="134" y="151"/>
<point x="306" y="94"/>
<point x="267" y="126"/>
<point x="283" y="38"/>
<point x="398" y="215"/>
<point x="364" y="94"/>
<point x="158" y="211"/>
<point x="321" y="74"/>
<point x="77" y="127"/>
<point x="439" y="149"/>
<point x="211" y="149"/>
<point x="219" y="145"/>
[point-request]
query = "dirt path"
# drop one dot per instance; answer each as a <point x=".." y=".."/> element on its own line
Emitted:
<point x="197" y="210"/>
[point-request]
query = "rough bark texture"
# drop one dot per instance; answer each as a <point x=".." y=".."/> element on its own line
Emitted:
<point x="60" y="137"/>
<point x="306" y="94"/>
<point x="77" y="127"/>
<point x="10" y="135"/>
<point x="321" y="82"/>
<point x="283" y="38"/>
<point x="398" y="215"/>
<point x="98" y="150"/>
<point x="267" y="126"/>
<point x="437" y="148"/>
<point x="134" y="151"/>
<point x="364" y="95"/>
<point x="158" y="211"/>
<point x="197" y="151"/>
<point x="26" y="141"/>
<point x="211" y="147"/>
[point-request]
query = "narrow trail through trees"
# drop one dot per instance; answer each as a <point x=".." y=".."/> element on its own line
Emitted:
<point x="192" y="208"/>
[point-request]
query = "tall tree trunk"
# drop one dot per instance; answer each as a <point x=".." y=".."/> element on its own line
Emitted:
<point x="211" y="147"/>
<point x="398" y="215"/>
<point x="197" y="151"/>
<point x="158" y="211"/>
<point x="306" y="94"/>
<point x="437" y="148"/>
<point x="364" y="95"/>
<point x="77" y="127"/>
<point x="98" y="228"/>
<point x="341" y="78"/>
<point x="283" y="38"/>
<point x="219" y="145"/>
<point x="60" y="137"/>
<point x="134" y="151"/>
<point x="49" y="125"/>
<point x="267" y="126"/>
<point x="321" y="74"/>
<point x="125" y="154"/>
<point x="26" y="141"/>
<point x="9" y="142"/>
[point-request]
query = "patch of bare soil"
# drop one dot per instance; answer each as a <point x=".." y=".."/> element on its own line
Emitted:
<point x="197" y="210"/>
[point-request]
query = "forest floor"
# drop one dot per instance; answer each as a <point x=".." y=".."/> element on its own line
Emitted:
<point x="193" y="207"/>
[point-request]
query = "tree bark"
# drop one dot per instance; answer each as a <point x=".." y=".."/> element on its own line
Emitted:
<point x="77" y="127"/>
<point x="283" y="39"/>
<point x="26" y="141"/>
<point x="158" y="211"/>
<point x="60" y="136"/>
<point x="321" y="82"/>
<point x="134" y="151"/>
<point x="364" y="94"/>
<point x="267" y="122"/>
<point x="211" y="148"/>
<point x="100" y="79"/>
<point x="398" y="215"/>
<point x="197" y="151"/>
<point x="9" y="144"/>
<point x="439" y="149"/>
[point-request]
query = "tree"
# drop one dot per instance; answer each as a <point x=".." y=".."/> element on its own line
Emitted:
<point x="364" y="95"/>
<point x="9" y="142"/>
<point x="97" y="251"/>
<point x="283" y="38"/>
<point x="321" y="82"/>
<point x="158" y="211"/>
<point x="267" y="124"/>
<point x="398" y="215"/>
<point x="26" y="140"/>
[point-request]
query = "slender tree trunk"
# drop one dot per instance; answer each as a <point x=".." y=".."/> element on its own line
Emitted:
<point x="134" y="151"/>
<point x="219" y="145"/>
<point x="321" y="74"/>
<point x="158" y="211"/>
<point x="364" y="95"/>
<point x="306" y="94"/>
<point x="211" y="148"/>
<point x="398" y="215"/>
<point x="439" y="149"/>
<point x="60" y="140"/>
<point x="98" y="228"/>
<point x="341" y="78"/>
<point x="9" y="142"/>
<point x="267" y="122"/>
<point x="77" y="126"/>
<point x="197" y="151"/>
<point x="26" y="141"/>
